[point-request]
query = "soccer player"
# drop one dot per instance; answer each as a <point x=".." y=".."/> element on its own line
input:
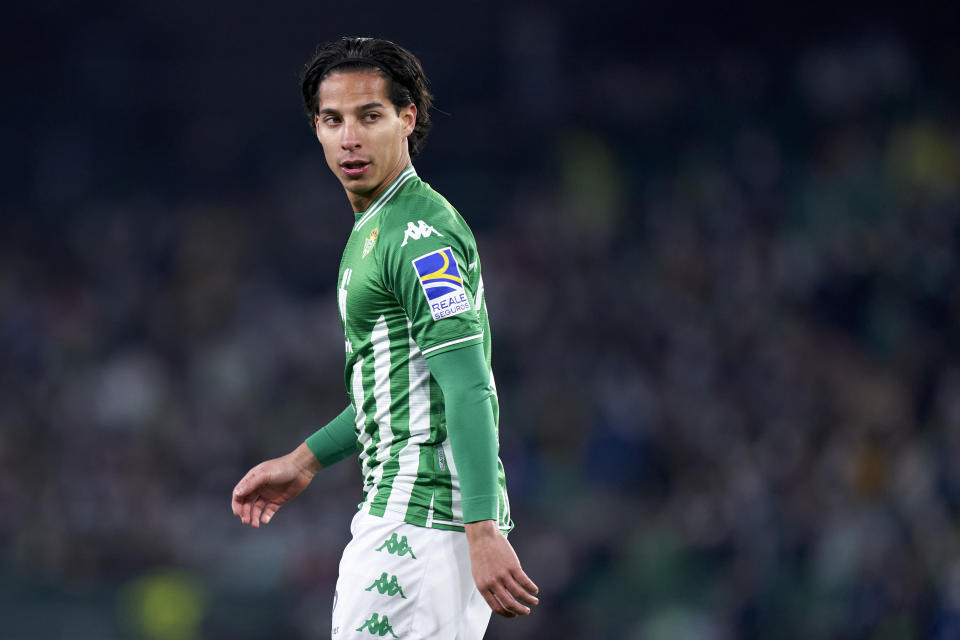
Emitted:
<point x="429" y="556"/>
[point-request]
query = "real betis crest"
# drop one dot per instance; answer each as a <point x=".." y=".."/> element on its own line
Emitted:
<point x="369" y="242"/>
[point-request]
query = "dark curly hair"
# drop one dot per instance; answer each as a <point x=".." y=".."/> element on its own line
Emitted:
<point x="406" y="82"/>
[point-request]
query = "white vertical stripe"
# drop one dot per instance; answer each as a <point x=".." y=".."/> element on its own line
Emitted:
<point x="363" y="438"/>
<point x="381" y="393"/>
<point x="419" y="388"/>
<point x="477" y="299"/>
<point x="430" y="513"/>
<point x="456" y="505"/>
<point x="419" y="399"/>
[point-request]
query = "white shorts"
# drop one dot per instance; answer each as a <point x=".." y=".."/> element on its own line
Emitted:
<point x="398" y="580"/>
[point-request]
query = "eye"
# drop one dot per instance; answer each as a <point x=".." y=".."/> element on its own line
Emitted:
<point x="371" y="116"/>
<point x="331" y="120"/>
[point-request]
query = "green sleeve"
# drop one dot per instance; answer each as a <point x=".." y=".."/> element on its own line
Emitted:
<point x="464" y="378"/>
<point x="337" y="440"/>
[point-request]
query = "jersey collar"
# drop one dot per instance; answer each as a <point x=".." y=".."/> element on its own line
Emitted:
<point x="385" y="197"/>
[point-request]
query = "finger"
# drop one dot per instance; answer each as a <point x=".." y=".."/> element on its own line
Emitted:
<point x="269" y="512"/>
<point x="245" y="511"/>
<point x="237" y="498"/>
<point x="243" y="487"/>
<point x="257" y="511"/>
<point x="494" y="604"/>
<point x="247" y="483"/>
<point x="508" y="601"/>
<point x="526" y="582"/>
<point x="519" y="592"/>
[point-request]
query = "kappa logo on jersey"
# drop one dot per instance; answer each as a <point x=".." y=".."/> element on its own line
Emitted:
<point x="442" y="283"/>
<point x="370" y="242"/>
<point x="417" y="231"/>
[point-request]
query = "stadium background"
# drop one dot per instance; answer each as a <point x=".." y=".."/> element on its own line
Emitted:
<point x="721" y="255"/>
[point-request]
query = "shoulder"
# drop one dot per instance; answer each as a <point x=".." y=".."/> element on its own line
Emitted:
<point x="419" y="211"/>
<point x="419" y="200"/>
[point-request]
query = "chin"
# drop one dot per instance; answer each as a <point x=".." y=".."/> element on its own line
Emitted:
<point x="359" y="187"/>
<point x="351" y="184"/>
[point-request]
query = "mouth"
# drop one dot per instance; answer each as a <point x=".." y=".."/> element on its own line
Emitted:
<point x="354" y="168"/>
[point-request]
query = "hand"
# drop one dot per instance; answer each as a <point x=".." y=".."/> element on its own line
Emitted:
<point x="269" y="485"/>
<point x="497" y="573"/>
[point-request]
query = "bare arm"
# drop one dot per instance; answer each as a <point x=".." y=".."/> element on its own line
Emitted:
<point x="271" y="484"/>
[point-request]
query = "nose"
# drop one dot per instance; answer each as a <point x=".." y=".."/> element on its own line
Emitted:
<point x="349" y="138"/>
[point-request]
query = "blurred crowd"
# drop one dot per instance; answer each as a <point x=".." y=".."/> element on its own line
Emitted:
<point x="725" y="299"/>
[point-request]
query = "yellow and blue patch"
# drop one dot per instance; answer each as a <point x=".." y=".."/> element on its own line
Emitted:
<point x="442" y="283"/>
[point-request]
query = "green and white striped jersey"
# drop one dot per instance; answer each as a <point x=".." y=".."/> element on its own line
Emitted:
<point x="409" y="287"/>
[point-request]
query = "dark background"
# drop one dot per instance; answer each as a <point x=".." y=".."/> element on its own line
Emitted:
<point x="722" y="259"/>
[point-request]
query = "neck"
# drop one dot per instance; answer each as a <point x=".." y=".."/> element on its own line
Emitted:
<point x="362" y="201"/>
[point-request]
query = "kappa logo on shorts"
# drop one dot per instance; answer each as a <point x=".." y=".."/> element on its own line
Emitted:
<point x="387" y="588"/>
<point x="442" y="284"/>
<point x="377" y="626"/>
<point x="397" y="546"/>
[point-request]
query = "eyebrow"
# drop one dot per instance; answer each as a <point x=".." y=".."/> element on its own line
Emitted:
<point x="364" y="107"/>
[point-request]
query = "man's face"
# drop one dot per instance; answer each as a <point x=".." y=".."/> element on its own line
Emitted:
<point x="364" y="138"/>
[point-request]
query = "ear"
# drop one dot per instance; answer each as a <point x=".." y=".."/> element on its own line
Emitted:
<point x="408" y="118"/>
<point x="316" y="125"/>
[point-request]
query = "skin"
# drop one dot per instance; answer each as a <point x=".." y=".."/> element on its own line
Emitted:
<point x="363" y="136"/>
<point x="364" y="139"/>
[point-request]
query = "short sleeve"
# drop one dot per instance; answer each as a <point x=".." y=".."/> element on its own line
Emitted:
<point x="428" y="257"/>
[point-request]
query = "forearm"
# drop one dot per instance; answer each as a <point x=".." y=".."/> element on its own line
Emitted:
<point x="335" y="441"/>
<point x="480" y="529"/>
<point x="465" y="381"/>
<point x="303" y="458"/>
